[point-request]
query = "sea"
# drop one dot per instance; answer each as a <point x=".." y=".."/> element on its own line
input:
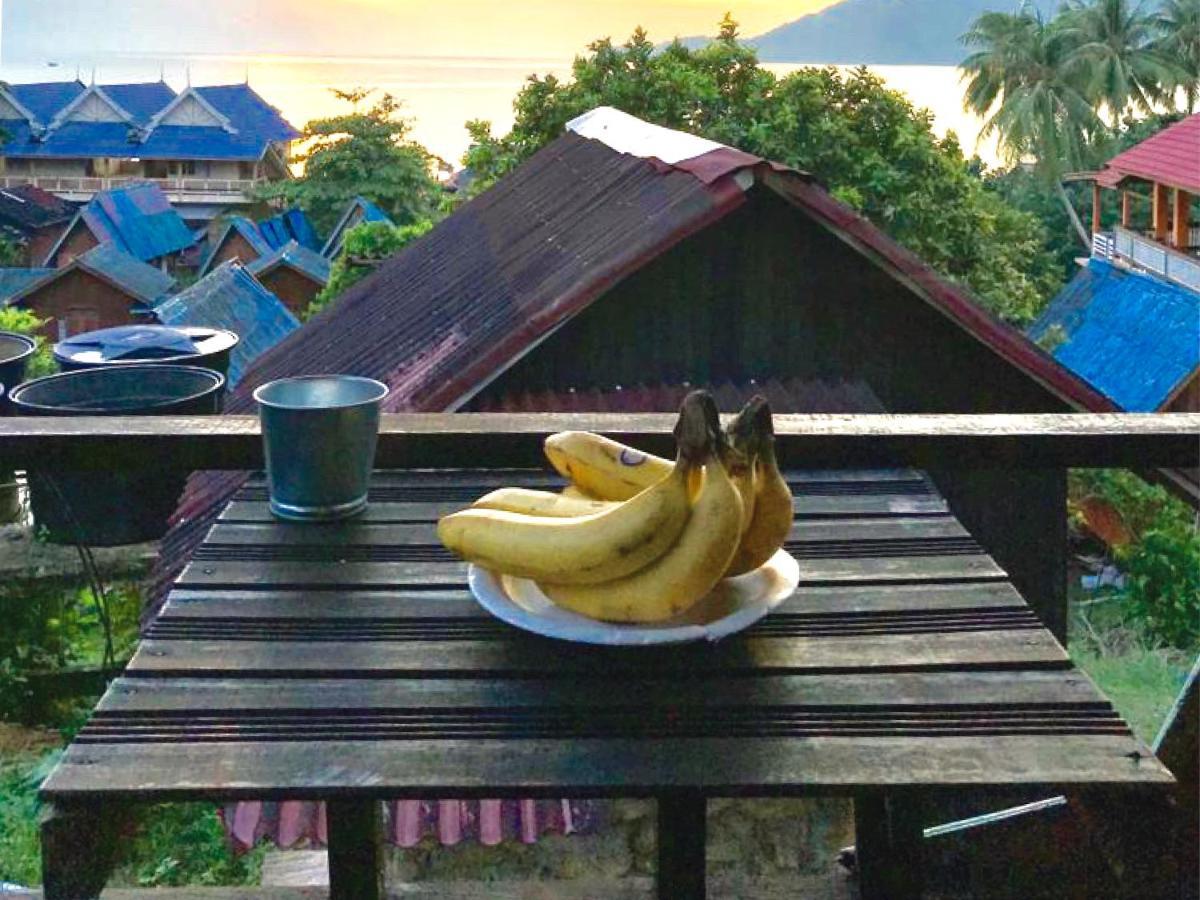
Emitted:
<point x="439" y="93"/>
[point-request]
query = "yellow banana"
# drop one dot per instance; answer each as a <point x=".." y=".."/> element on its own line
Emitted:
<point x="772" y="519"/>
<point x="588" y="549"/>
<point x="604" y="468"/>
<point x="540" y="503"/>
<point x="739" y="463"/>
<point x="577" y="493"/>
<point x="681" y="576"/>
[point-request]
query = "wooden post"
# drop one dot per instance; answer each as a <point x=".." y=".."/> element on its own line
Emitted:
<point x="682" y="834"/>
<point x="1158" y="212"/>
<point x="889" y="843"/>
<point x="1181" y="215"/>
<point x="1095" y="208"/>
<point x="79" y="846"/>
<point x="1125" y="209"/>
<point x="355" y="850"/>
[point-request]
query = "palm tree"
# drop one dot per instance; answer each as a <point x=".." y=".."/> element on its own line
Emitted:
<point x="1113" y="54"/>
<point x="1179" y="40"/>
<point x="1019" y="78"/>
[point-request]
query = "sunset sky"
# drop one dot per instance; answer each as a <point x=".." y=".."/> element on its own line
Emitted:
<point x="547" y="28"/>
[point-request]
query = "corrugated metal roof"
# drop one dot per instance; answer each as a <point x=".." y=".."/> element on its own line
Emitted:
<point x="789" y="395"/>
<point x="255" y="123"/>
<point x="15" y="281"/>
<point x="143" y="283"/>
<point x="25" y="207"/>
<point x="139" y="219"/>
<point x="358" y="210"/>
<point x="307" y="262"/>
<point x="1171" y="157"/>
<point x="1134" y="336"/>
<point x="229" y="297"/>
<point x="291" y="225"/>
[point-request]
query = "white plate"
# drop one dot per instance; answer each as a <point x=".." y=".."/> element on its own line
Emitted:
<point x="734" y="604"/>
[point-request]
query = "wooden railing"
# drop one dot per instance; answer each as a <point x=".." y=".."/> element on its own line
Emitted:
<point x="422" y="440"/>
<point x="183" y="184"/>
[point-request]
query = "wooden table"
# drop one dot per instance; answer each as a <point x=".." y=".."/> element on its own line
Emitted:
<point x="348" y="663"/>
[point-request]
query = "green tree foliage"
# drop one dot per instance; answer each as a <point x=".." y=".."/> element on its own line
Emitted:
<point x="362" y="152"/>
<point x="24" y="322"/>
<point x="1179" y="40"/>
<point x="1039" y="83"/>
<point x="10" y="252"/>
<point x="865" y="142"/>
<point x="365" y="247"/>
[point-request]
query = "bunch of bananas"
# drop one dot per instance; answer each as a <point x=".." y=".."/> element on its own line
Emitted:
<point x="635" y="537"/>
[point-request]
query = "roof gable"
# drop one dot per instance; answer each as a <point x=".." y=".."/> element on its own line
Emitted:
<point x="1171" y="157"/>
<point x="12" y="109"/>
<point x="141" y="282"/>
<point x="1133" y="336"/>
<point x="191" y="109"/>
<point x="229" y="297"/>
<point x="358" y="210"/>
<point x="299" y="259"/>
<point x="454" y="309"/>
<point x="93" y="105"/>
<point x="247" y="230"/>
<point x="46" y="99"/>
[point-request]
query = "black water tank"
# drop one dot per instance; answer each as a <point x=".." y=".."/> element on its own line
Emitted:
<point x="15" y="352"/>
<point x="109" y="507"/>
<point x="139" y="344"/>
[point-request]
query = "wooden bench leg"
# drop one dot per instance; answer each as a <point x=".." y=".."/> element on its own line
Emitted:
<point x="79" y="847"/>
<point x="682" y="832"/>
<point x="355" y="849"/>
<point x="889" y="843"/>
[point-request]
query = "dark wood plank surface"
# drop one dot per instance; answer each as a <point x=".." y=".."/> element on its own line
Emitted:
<point x="457" y="439"/>
<point x="318" y="661"/>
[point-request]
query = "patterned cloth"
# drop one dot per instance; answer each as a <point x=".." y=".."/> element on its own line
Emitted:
<point x="295" y="823"/>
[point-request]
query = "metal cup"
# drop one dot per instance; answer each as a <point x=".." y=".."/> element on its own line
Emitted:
<point x="319" y="434"/>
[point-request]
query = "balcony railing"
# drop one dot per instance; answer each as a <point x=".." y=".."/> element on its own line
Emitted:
<point x="181" y="186"/>
<point x="1146" y="253"/>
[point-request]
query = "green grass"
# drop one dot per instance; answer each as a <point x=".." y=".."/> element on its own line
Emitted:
<point x="1141" y="679"/>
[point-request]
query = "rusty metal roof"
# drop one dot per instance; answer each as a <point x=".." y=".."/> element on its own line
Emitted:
<point x="1171" y="157"/>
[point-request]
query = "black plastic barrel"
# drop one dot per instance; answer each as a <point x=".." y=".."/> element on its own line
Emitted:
<point x="15" y="352"/>
<point x="110" y="507"/>
<point x="139" y="344"/>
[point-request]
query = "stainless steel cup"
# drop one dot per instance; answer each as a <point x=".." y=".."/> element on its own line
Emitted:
<point x="319" y="434"/>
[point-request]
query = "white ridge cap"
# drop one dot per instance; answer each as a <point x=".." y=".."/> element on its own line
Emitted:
<point x="629" y="134"/>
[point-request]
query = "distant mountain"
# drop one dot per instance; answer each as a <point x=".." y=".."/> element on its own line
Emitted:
<point x="880" y="32"/>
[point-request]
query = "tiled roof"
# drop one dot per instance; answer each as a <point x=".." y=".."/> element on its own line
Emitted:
<point x="14" y="281"/>
<point x="140" y="281"/>
<point x="1171" y="157"/>
<point x="26" y="207"/>
<point x="789" y="395"/>
<point x="307" y="262"/>
<point x="229" y="297"/>
<point x="1135" y="337"/>
<point x="358" y="210"/>
<point x="139" y="220"/>
<point x="290" y="225"/>
<point x="255" y="124"/>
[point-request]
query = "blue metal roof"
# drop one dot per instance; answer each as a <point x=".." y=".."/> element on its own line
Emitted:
<point x="13" y="281"/>
<point x="145" y="282"/>
<point x="358" y="210"/>
<point x="139" y="219"/>
<point x="1133" y="336"/>
<point x="248" y="230"/>
<point x="291" y="225"/>
<point x="256" y="125"/>
<point x="303" y="260"/>
<point x="230" y="297"/>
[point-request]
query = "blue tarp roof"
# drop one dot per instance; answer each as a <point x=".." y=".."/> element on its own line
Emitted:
<point x="139" y="219"/>
<point x="230" y="297"/>
<point x="13" y="281"/>
<point x="299" y="258"/>
<point x="1133" y="336"/>
<point x="292" y="225"/>
<point x="256" y="124"/>
<point x="358" y="210"/>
